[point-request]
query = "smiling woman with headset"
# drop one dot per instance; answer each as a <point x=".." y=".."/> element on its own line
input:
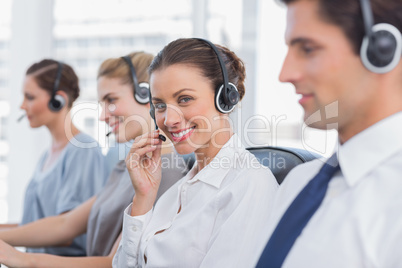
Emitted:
<point x="73" y="168"/>
<point x="123" y="93"/>
<point x="213" y="215"/>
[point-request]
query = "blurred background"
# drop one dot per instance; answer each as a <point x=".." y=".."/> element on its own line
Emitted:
<point x="83" y="33"/>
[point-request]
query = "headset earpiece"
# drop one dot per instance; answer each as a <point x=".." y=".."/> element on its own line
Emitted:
<point x="57" y="102"/>
<point x="381" y="52"/>
<point x="227" y="95"/>
<point x="226" y="100"/>
<point x="142" y="94"/>
<point x="140" y="90"/>
<point x="382" y="44"/>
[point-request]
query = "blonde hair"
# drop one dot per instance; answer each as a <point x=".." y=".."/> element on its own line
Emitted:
<point x="118" y="68"/>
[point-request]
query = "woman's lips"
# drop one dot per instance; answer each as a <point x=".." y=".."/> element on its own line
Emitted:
<point x="115" y="127"/>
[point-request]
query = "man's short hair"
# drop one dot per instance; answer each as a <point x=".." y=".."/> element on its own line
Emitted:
<point x="348" y="16"/>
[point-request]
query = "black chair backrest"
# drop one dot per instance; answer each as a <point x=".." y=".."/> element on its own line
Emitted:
<point x="189" y="160"/>
<point x="281" y="160"/>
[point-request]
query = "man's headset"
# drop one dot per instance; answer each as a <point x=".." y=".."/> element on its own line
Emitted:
<point x="57" y="102"/>
<point x="140" y="90"/>
<point x="381" y="49"/>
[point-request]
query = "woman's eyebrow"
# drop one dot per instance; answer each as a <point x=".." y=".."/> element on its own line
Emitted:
<point x="105" y="97"/>
<point x="154" y="99"/>
<point x="180" y="91"/>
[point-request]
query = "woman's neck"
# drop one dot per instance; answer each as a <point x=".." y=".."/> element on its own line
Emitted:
<point x="167" y="148"/>
<point x="62" y="131"/>
<point x="205" y="155"/>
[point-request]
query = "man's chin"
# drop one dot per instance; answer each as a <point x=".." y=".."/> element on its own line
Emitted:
<point x="326" y="124"/>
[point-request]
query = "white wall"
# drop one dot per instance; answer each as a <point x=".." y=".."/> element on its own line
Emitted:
<point x="31" y="40"/>
<point x="277" y="102"/>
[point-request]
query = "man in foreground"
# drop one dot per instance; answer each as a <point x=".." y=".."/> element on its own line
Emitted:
<point x="344" y="212"/>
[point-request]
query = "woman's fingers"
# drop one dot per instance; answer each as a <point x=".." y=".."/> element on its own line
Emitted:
<point x="145" y="169"/>
<point x="145" y="140"/>
<point x="10" y="256"/>
<point x="142" y="145"/>
<point x="137" y="158"/>
<point x="156" y="155"/>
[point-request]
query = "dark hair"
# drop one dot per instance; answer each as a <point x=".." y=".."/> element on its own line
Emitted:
<point x="118" y="68"/>
<point x="196" y="53"/>
<point x="348" y="16"/>
<point x="45" y="71"/>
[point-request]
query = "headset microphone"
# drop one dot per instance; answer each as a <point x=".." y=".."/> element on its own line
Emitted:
<point x="110" y="132"/>
<point x="152" y="113"/>
<point x="21" y="117"/>
<point x="161" y="137"/>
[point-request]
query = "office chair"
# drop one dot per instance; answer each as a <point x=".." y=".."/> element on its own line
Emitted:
<point x="281" y="160"/>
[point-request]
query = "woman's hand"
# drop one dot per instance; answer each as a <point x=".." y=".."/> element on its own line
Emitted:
<point x="11" y="257"/>
<point x="145" y="171"/>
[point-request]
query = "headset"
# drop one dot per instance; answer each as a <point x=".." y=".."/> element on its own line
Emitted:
<point x="381" y="49"/>
<point x="140" y="90"/>
<point x="227" y="95"/>
<point x="57" y="102"/>
<point x="152" y="113"/>
<point x="142" y="94"/>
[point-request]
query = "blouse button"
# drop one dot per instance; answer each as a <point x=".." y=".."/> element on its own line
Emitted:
<point x="134" y="228"/>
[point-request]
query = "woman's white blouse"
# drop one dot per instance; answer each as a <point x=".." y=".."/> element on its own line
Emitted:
<point x="223" y="209"/>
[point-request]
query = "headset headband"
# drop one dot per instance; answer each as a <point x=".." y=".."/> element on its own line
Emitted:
<point x="132" y="71"/>
<point x="367" y="16"/>
<point x="221" y="63"/>
<point x="58" y="78"/>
